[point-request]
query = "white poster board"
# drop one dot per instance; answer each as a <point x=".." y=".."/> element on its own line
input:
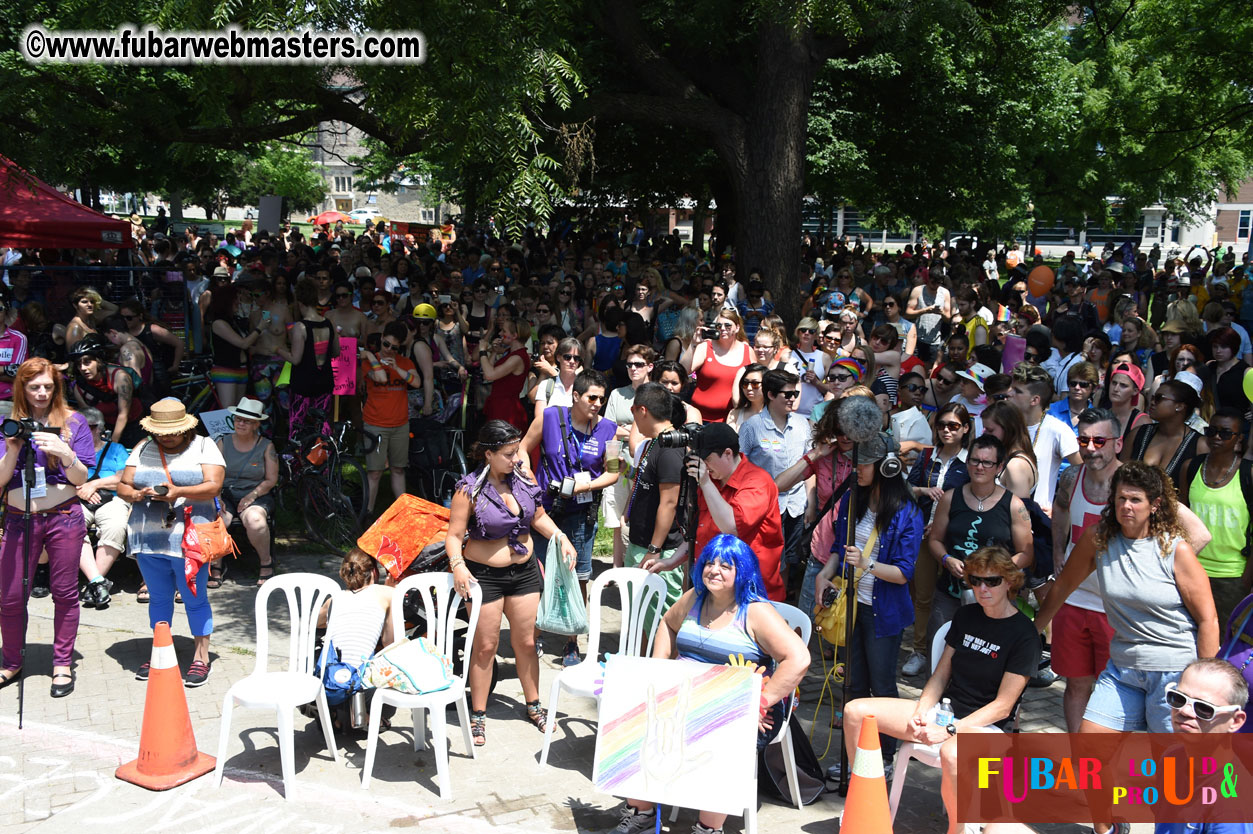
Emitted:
<point x="678" y="733"/>
<point x="217" y="423"/>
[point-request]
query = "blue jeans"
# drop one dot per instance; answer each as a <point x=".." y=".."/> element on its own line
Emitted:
<point x="164" y="575"/>
<point x="580" y="528"/>
<point x="806" y="600"/>
<point x="872" y="666"/>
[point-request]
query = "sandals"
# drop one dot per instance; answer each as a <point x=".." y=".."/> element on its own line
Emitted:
<point x="141" y="596"/>
<point x="478" y="727"/>
<point x="267" y="572"/>
<point x="216" y="577"/>
<point x="537" y="715"/>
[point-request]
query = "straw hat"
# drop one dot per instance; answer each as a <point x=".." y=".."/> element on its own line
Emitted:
<point x="168" y="416"/>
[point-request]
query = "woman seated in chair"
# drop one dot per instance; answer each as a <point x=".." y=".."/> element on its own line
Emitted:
<point x="990" y="652"/>
<point x="360" y="619"/>
<point x="724" y="615"/>
<point x="247" y="493"/>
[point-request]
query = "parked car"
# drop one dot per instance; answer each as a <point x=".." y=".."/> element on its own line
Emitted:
<point x="363" y="214"/>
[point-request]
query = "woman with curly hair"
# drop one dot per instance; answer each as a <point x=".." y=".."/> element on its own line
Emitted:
<point x="1157" y="598"/>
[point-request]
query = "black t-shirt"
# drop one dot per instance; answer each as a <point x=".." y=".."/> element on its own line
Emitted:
<point x="984" y="650"/>
<point x="660" y="466"/>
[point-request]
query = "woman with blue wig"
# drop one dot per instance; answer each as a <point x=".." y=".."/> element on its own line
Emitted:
<point x="725" y="615"/>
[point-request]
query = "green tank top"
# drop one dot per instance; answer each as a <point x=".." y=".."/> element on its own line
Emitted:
<point x="1227" y="516"/>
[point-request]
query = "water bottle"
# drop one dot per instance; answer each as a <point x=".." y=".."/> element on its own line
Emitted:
<point x="944" y="713"/>
<point x="359" y="716"/>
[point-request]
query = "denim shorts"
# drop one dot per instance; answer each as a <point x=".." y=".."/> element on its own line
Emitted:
<point x="1129" y="700"/>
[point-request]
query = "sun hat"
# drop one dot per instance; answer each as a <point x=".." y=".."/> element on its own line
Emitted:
<point x="168" y="416"/>
<point x="250" y="409"/>
<point x="977" y="373"/>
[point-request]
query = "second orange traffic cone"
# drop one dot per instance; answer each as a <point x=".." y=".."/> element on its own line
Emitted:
<point x="167" y="746"/>
<point x="866" y="809"/>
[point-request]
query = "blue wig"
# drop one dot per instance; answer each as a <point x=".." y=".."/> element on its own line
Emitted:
<point x="729" y="550"/>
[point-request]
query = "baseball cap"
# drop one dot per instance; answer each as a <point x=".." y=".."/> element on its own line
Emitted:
<point x="977" y="373"/>
<point x="1191" y="380"/>
<point x="1134" y="373"/>
<point x="715" y="438"/>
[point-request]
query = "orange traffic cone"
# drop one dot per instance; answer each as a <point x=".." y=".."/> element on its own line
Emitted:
<point x="866" y="809"/>
<point x="167" y="746"/>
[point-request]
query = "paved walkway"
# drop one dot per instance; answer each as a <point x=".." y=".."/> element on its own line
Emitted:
<point x="57" y="773"/>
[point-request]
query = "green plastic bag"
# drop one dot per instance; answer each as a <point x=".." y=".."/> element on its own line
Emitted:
<point x="561" y="608"/>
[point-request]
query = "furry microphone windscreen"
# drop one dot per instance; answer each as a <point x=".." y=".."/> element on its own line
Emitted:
<point x="859" y="417"/>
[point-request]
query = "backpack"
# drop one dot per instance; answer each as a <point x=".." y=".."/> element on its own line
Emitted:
<point x="341" y="679"/>
<point x="1237" y="648"/>
<point x="809" y="774"/>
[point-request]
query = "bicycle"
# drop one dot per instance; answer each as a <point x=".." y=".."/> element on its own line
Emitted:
<point x="331" y="483"/>
<point x="195" y="387"/>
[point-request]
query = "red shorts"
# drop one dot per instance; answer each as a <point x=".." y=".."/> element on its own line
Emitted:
<point x="1080" y="642"/>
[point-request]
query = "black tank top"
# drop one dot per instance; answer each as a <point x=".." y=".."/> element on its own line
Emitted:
<point x="307" y="379"/>
<point x="225" y="355"/>
<point x="162" y="357"/>
<point x="1184" y="453"/>
<point x="969" y="529"/>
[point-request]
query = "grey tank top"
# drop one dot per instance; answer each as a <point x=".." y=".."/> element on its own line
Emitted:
<point x="244" y="470"/>
<point x="1153" y="629"/>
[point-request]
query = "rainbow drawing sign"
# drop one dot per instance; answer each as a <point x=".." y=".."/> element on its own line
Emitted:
<point x="678" y="733"/>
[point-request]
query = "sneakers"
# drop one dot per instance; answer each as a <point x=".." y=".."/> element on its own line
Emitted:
<point x="39" y="583"/>
<point x="96" y="594"/>
<point x="834" y="771"/>
<point x="570" y="656"/>
<point x="635" y="821"/>
<point x="699" y="828"/>
<point x="142" y="674"/>
<point x="1043" y="678"/>
<point x="913" y="664"/>
<point x="197" y="674"/>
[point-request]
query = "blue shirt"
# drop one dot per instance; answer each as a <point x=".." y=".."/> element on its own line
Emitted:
<point x="115" y="455"/>
<point x="773" y="450"/>
<point x="1203" y="828"/>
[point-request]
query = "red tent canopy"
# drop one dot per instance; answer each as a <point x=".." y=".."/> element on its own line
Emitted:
<point x="34" y="214"/>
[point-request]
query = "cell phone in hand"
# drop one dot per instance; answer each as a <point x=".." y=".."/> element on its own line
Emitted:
<point x="267" y="316"/>
<point x="161" y="489"/>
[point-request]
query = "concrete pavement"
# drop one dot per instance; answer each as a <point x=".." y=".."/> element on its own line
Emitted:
<point x="57" y="773"/>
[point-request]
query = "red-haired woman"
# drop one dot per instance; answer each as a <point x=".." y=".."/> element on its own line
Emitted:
<point x="63" y="460"/>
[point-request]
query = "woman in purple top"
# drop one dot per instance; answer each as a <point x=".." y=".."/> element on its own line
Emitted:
<point x="572" y="443"/>
<point x="63" y="461"/>
<point x="497" y="507"/>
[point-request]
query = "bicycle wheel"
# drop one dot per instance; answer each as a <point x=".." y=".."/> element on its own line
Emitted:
<point x="329" y="517"/>
<point x="349" y="478"/>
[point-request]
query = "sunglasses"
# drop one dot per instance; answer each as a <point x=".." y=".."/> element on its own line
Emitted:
<point x="724" y="325"/>
<point x="1162" y="398"/>
<point x="1094" y="442"/>
<point x="637" y="365"/>
<point x="1079" y="383"/>
<point x="990" y="581"/>
<point x="841" y="378"/>
<point x="808" y="330"/>
<point x="1000" y="398"/>
<point x="1215" y="433"/>
<point x="128" y="318"/>
<point x="1031" y="356"/>
<point x="571" y="357"/>
<point x="948" y="380"/>
<point x="564" y="293"/>
<point x="1203" y="710"/>
<point x="594" y="398"/>
<point x="950" y="425"/>
<point x="889" y="304"/>
<point x="752" y="383"/>
<point x="791" y="395"/>
<point x="543" y="311"/>
<point x="390" y="345"/>
<point x="914" y="388"/>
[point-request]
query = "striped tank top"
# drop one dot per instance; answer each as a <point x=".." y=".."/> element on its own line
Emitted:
<point x="696" y="642"/>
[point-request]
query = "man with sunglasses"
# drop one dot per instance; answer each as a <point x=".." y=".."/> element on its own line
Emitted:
<point x="774" y="439"/>
<point x="388" y="378"/>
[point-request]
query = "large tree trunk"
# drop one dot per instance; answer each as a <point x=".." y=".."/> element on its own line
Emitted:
<point x="768" y="167"/>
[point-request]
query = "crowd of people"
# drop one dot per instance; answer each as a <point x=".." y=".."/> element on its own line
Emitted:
<point x="1078" y="445"/>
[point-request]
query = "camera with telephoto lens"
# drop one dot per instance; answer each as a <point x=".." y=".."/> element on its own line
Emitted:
<point x="562" y="493"/>
<point x="24" y="428"/>
<point x="684" y="436"/>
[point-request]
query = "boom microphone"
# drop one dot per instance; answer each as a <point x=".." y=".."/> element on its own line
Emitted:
<point x="859" y="418"/>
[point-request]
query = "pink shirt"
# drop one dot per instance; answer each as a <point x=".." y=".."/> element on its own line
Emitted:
<point x="12" y="353"/>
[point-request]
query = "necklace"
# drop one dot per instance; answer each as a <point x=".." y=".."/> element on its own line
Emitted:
<point x="984" y="498"/>
<point x="1215" y="484"/>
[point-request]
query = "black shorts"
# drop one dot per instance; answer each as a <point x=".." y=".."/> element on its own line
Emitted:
<point x="514" y="581"/>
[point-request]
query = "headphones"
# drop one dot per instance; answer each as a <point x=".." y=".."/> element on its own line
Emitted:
<point x="891" y="466"/>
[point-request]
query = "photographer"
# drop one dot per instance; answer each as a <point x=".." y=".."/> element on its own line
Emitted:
<point x="60" y="439"/>
<point x="572" y="470"/>
<point x="655" y="539"/>
<point x="774" y="439"/>
<point x="744" y="502"/>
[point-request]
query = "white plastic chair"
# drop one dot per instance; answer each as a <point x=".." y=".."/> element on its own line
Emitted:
<point x="284" y="691"/>
<point x="928" y="754"/>
<point x="440" y="605"/>
<point x="640" y="591"/>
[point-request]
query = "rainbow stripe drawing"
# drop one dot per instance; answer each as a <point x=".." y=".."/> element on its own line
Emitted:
<point x="668" y="726"/>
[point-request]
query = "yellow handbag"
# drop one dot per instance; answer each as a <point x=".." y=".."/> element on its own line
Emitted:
<point x="831" y="621"/>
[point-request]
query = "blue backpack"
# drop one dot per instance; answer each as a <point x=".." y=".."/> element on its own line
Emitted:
<point x="340" y="679"/>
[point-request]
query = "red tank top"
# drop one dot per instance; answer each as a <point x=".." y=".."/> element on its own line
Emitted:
<point x="714" y="385"/>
